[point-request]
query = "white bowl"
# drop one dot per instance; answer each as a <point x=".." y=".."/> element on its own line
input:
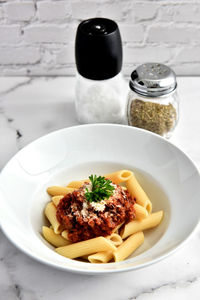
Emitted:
<point x="167" y="175"/>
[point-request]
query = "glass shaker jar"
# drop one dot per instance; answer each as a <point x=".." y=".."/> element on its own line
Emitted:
<point x="100" y="87"/>
<point x="153" y="102"/>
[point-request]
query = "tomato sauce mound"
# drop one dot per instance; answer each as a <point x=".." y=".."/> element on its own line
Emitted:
<point x="83" y="220"/>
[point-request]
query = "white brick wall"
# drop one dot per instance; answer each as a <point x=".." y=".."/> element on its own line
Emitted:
<point x="37" y="36"/>
<point x="19" y="11"/>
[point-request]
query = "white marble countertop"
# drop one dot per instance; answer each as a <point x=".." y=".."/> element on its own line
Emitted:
<point x="32" y="107"/>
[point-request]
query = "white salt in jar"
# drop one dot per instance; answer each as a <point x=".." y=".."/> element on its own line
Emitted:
<point x="100" y="101"/>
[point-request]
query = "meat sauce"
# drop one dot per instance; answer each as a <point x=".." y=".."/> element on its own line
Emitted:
<point x="84" y="220"/>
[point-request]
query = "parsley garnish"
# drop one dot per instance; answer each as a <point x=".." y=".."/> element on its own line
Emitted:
<point x="101" y="189"/>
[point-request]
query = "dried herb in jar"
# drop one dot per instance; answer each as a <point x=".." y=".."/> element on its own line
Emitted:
<point x="155" y="117"/>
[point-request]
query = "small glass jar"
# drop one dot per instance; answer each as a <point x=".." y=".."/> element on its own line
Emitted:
<point x="153" y="102"/>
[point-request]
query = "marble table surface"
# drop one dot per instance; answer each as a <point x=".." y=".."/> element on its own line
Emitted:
<point x="32" y="107"/>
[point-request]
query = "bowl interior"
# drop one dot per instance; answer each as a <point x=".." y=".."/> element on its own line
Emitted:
<point x="167" y="175"/>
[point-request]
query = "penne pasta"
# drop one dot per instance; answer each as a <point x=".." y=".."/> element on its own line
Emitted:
<point x="86" y="247"/>
<point x="140" y="211"/>
<point x="115" y="239"/>
<point x="138" y="193"/>
<point x="139" y="225"/>
<point x="128" y="246"/>
<point x="116" y="230"/>
<point x="100" y="257"/>
<point x="59" y="190"/>
<point x="119" y="176"/>
<point x="64" y="234"/>
<point x="124" y="188"/>
<point x="76" y="184"/>
<point x="56" y="199"/>
<point x="54" y="239"/>
<point x="50" y="213"/>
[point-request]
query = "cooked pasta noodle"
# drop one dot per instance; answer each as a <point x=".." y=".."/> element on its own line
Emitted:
<point x="55" y="239"/>
<point x="50" y="213"/>
<point x="119" y="176"/>
<point x="140" y="211"/>
<point x="138" y="225"/>
<point x="100" y="257"/>
<point x="138" y="193"/>
<point x="116" y="230"/>
<point x="56" y="199"/>
<point x="59" y="190"/>
<point x="76" y="184"/>
<point x="64" y="234"/>
<point x="128" y="246"/>
<point x="115" y="239"/>
<point x="86" y="247"/>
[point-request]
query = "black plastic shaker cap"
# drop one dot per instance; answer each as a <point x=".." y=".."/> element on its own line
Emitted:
<point x="98" y="49"/>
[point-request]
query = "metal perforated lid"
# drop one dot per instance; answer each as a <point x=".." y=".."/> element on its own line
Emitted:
<point x="153" y="80"/>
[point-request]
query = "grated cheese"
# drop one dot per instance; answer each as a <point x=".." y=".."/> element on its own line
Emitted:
<point x="99" y="206"/>
<point x="84" y="211"/>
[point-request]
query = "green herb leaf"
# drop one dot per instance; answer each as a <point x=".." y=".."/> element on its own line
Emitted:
<point x="101" y="189"/>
